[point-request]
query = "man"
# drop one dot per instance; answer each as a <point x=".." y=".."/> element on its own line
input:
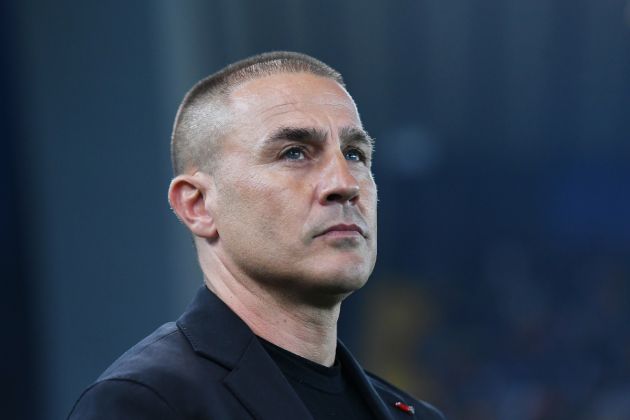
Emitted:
<point x="273" y="179"/>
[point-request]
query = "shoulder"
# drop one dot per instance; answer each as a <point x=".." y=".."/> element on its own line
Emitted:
<point x="121" y="398"/>
<point x="161" y="372"/>
<point x="157" y="354"/>
<point x="392" y="395"/>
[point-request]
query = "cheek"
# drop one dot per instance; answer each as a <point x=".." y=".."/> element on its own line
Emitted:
<point x="258" y="205"/>
<point x="370" y="198"/>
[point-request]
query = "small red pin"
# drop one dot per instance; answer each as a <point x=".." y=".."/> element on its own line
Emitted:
<point x="404" y="407"/>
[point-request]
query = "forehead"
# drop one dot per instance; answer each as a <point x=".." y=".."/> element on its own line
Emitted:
<point x="293" y="98"/>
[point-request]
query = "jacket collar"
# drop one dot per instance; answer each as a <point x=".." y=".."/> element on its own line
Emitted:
<point x="217" y="333"/>
<point x="213" y="330"/>
<point x="357" y="376"/>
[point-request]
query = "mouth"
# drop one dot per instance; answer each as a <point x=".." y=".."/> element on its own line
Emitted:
<point x="343" y="230"/>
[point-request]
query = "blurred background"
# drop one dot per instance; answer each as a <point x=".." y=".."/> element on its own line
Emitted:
<point x="502" y="126"/>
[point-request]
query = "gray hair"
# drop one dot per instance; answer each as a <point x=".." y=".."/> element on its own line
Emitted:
<point x="203" y="118"/>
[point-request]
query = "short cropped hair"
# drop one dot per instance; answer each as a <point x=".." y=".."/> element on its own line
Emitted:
<point x="203" y="116"/>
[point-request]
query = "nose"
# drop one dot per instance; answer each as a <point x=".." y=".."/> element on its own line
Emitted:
<point x="337" y="184"/>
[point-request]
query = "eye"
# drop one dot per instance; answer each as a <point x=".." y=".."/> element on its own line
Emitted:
<point x="355" y="155"/>
<point x="294" y="153"/>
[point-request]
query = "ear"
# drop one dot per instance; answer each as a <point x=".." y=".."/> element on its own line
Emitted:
<point x="191" y="199"/>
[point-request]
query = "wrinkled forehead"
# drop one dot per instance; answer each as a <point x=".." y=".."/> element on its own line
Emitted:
<point x="292" y="95"/>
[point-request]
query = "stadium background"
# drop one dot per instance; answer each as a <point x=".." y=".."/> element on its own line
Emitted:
<point x="502" y="160"/>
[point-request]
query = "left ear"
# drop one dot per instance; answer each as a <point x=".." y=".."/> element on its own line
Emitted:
<point x="189" y="196"/>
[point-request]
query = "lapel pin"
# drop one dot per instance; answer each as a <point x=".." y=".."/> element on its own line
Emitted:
<point x="404" y="407"/>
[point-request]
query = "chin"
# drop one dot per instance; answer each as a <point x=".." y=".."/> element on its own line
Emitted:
<point x="330" y="291"/>
<point x="335" y="275"/>
<point x="342" y="280"/>
<point x="325" y="285"/>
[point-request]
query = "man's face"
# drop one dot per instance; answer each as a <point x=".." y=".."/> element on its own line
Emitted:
<point x="296" y="201"/>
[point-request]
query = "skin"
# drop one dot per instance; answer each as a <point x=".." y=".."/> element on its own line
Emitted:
<point x="295" y="163"/>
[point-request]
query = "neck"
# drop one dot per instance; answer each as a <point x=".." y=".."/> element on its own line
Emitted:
<point x="307" y="330"/>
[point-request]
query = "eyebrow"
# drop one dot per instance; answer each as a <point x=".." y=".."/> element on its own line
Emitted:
<point x="356" y="135"/>
<point x="300" y="134"/>
<point x="347" y="135"/>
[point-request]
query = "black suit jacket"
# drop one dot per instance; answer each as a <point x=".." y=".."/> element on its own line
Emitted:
<point x="209" y="365"/>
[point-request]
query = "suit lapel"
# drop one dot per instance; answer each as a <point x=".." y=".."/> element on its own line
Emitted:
<point x="218" y="334"/>
<point x="262" y="388"/>
<point x="358" y="378"/>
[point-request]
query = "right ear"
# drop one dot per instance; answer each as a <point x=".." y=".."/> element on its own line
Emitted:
<point x="190" y="196"/>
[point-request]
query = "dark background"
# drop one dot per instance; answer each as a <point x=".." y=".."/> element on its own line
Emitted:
<point x="502" y="126"/>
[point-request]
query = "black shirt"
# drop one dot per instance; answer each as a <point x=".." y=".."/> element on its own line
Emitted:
<point x="325" y="391"/>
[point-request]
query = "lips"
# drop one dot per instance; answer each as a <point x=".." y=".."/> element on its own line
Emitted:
<point x="343" y="228"/>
